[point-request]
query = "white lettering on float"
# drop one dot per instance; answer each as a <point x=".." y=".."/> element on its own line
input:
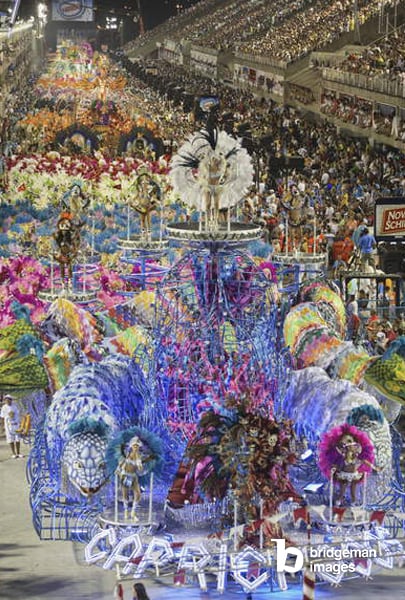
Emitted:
<point x="92" y="553"/>
<point x="118" y="556"/>
<point x="242" y="563"/>
<point x="158" y="553"/>
<point x="195" y="558"/>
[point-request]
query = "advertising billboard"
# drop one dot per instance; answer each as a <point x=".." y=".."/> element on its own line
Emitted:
<point x="72" y="10"/>
<point x="389" y="221"/>
<point x="207" y="103"/>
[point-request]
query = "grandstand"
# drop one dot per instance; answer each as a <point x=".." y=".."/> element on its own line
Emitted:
<point x="341" y="60"/>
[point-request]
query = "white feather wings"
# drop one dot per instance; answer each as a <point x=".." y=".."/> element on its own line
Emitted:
<point x="187" y="172"/>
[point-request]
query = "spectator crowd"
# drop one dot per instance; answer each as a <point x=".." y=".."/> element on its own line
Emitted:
<point x="284" y="31"/>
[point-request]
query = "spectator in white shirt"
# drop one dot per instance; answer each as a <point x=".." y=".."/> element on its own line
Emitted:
<point x="11" y="416"/>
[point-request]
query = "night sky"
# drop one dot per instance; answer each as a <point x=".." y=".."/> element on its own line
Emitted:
<point x="154" y="11"/>
<point x="157" y="11"/>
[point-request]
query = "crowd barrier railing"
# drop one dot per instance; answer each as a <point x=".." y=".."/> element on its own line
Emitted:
<point x="373" y="84"/>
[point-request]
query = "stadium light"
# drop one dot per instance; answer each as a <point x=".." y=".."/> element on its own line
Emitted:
<point x="42" y="12"/>
<point x="111" y="23"/>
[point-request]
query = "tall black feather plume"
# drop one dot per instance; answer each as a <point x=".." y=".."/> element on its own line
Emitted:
<point x="232" y="152"/>
<point x="188" y="160"/>
<point x="211" y="136"/>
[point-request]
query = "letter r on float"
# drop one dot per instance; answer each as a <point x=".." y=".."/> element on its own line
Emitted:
<point x="282" y="555"/>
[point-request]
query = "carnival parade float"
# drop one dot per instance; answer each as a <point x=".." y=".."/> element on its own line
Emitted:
<point x="185" y="424"/>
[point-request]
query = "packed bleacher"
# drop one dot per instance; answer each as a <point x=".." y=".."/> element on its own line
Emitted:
<point x="317" y="25"/>
<point x="356" y="111"/>
<point x="238" y="22"/>
<point x="284" y="31"/>
<point x="385" y="58"/>
<point x="379" y="64"/>
<point x="348" y="109"/>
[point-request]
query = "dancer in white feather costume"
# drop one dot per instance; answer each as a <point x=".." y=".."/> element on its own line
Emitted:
<point x="211" y="172"/>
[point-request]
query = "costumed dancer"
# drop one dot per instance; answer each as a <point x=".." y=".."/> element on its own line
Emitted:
<point x="75" y="203"/>
<point x="293" y="203"/>
<point x="211" y="173"/>
<point x="345" y="455"/>
<point x="67" y="235"/>
<point x="129" y="468"/>
<point x="132" y="455"/>
<point x="3" y="176"/>
<point x="67" y="238"/>
<point x="148" y="198"/>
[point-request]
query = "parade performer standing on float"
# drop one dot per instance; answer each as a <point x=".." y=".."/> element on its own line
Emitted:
<point x="147" y="199"/>
<point x="67" y="239"/>
<point x="293" y="204"/>
<point x="75" y="202"/>
<point x="67" y="235"/>
<point x="211" y="172"/>
<point x="345" y="454"/>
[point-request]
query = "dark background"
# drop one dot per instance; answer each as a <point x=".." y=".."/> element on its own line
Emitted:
<point x="153" y="11"/>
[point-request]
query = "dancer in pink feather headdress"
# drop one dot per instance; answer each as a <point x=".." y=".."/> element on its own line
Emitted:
<point x="345" y="454"/>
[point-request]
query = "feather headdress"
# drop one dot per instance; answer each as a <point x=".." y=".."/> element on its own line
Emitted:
<point x="187" y="163"/>
<point x="330" y="457"/>
<point x="151" y="450"/>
